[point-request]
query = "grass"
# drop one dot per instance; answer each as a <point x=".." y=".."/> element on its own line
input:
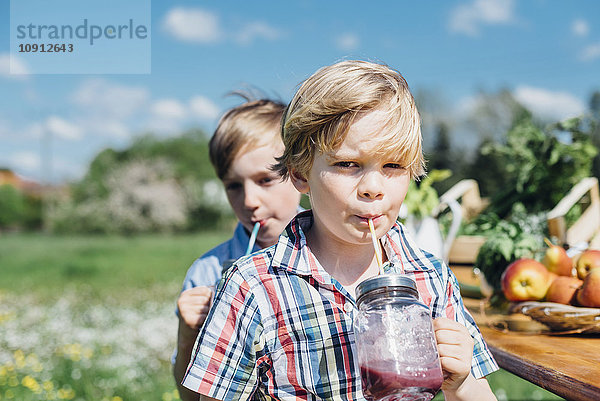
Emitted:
<point x="104" y="266"/>
<point x="91" y="317"/>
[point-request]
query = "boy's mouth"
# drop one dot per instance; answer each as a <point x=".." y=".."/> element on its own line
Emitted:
<point x="374" y="217"/>
<point x="262" y="222"/>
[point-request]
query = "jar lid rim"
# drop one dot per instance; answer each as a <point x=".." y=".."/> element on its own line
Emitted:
<point x="386" y="280"/>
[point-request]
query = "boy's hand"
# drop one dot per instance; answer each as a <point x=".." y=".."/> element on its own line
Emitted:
<point x="194" y="305"/>
<point x="455" y="346"/>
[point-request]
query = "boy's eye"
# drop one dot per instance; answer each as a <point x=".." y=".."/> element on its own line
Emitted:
<point x="265" y="180"/>
<point x="345" y="164"/>
<point x="393" y="165"/>
<point x="232" y="186"/>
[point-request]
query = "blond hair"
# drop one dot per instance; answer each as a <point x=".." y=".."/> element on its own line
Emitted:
<point x="244" y="128"/>
<point x="328" y="102"/>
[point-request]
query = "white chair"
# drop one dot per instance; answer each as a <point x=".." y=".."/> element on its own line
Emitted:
<point x="464" y="202"/>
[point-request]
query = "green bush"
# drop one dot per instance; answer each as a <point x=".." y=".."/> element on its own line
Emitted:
<point x="12" y="206"/>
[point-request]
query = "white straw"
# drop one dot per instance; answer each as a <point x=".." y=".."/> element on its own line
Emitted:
<point x="252" y="238"/>
<point x="376" y="246"/>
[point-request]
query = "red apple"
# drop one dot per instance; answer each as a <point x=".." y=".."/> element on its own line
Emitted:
<point x="557" y="261"/>
<point x="552" y="277"/>
<point x="589" y="293"/>
<point x="525" y="280"/>
<point x="562" y="290"/>
<point x="587" y="260"/>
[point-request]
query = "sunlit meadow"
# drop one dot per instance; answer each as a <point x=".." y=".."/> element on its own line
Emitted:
<point x="67" y="350"/>
<point x="91" y="318"/>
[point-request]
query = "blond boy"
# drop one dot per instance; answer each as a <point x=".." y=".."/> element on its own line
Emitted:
<point x="242" y="150"/>
<point x="281" y="325"/>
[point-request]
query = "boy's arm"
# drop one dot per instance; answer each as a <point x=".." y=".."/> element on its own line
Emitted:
<point x="185" y="345"/>
<point x="471" y="389"/>
<point x="193" y="305"/>
<point x="455" y="346"/>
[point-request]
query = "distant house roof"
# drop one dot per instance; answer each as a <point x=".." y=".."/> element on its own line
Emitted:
<point x="24" y="184"/>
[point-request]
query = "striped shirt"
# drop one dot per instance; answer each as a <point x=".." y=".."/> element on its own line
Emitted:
<point x="281" y="327"/>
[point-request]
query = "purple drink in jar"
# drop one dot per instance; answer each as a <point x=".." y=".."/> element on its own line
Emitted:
<point x="388" y="386"/>
<point x="396" y="346"/>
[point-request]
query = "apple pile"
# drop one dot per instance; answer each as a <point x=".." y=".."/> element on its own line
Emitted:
<point x="558" y="278"/>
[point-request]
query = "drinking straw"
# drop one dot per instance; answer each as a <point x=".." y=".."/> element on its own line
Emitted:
<point x="252" y="238"/>
<point x="377" y="247"/>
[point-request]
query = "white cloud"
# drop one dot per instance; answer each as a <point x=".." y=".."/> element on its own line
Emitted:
<point x="114" y="129"/>
<point x="192" y="25"/>
<point x="257" y="30"/>
<point x="549" y="104"/>
<point x="100" y="97"/>
<point x="26" y="161"/>
<point x="163" y="126"/>
<point x="580" y="27"/>
<point x="201" y="26"/>
<point x="170" y="115"/>
<point x="347" y="41"/>
<point x="591" y="52"/>
<point x="469" y="18"/>
<point x="203" y="108"/>
<point x="13" y="67"/>
<point x="63" y="128"/>
<point x="169" y="108"/>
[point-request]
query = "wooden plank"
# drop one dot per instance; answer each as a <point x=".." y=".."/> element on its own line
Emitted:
<point x="568" y="366"/>
<point x="465" y="248"/>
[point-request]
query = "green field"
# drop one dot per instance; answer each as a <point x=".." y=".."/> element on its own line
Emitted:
<point x="91" y="317"/>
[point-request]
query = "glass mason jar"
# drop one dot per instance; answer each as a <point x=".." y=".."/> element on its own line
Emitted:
<point x="396" y="345"/>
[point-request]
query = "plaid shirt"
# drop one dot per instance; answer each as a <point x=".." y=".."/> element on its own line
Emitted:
<point x="281" y="327"/>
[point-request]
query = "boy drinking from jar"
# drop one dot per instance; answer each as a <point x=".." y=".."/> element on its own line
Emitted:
<point x="281" y="323"/>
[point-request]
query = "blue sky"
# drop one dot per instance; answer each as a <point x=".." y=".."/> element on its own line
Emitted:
<point x="51" y="125"/>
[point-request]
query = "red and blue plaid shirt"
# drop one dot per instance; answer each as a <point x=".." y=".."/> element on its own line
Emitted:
<point x="281" y="327"/>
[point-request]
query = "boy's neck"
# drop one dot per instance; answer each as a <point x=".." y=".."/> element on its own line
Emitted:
<point x="349" y="264"/>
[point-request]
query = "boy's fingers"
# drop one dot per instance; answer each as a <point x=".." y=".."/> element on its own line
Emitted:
<point x="196" y="295"/>
<point x="198" y="291"/>
<point x="450" y="337"/>
<point x="454" y="351"/>
<point x="445" y="323"/>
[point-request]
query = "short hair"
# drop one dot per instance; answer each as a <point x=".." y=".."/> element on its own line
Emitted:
<point x="243" y="128"/>
<point x="326" y="104"/>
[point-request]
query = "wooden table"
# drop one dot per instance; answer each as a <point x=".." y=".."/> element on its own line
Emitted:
<point x="568" y="366"/>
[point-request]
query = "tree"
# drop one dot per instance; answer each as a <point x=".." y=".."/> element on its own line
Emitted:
<point x="12" y="206"/>
<point x="539" y="166"/>
<point x="595" y="129"/>
<point x="443" y="157"/>
<point x="153" y="185"/>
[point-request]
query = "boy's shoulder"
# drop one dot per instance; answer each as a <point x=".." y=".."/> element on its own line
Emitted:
<point x="207" y="268"/>
<point x="232" y="248"/>
<point x="257" y="265"/>
<point x="410" y="255"/>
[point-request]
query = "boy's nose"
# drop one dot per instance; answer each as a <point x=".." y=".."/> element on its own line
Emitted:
<point x="251" y="198"/>
<point x="371" y="186"/>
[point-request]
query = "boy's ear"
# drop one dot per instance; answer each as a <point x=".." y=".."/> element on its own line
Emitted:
<point x="299" y="182"/>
